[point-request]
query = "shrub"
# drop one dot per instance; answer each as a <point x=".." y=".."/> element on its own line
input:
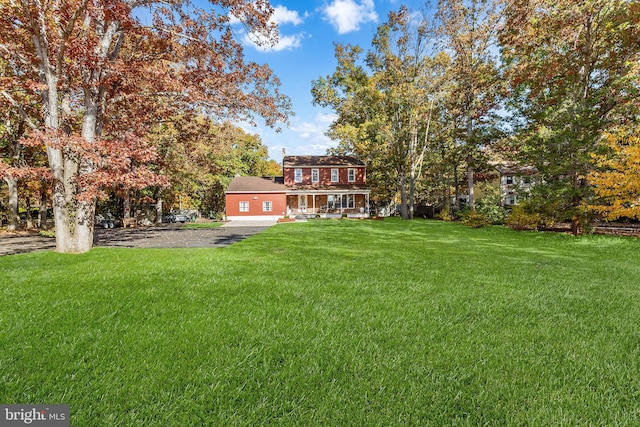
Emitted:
<point x="520" y="219"/>
<point x="475" y="219"/>
<point x="489" y="205"/>
<point x="48" y="233"/>
<point x="445" y="214"/>
<point x="493" y="213"/>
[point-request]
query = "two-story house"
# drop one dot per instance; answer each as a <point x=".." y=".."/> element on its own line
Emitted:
<point x="515" y="180"/>
<point x="328" y="186"/>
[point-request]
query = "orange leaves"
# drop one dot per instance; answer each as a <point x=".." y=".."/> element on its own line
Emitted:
<point x="616" y="180"/>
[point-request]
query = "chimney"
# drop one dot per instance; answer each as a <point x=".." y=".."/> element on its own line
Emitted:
<point x="284" y="153"/>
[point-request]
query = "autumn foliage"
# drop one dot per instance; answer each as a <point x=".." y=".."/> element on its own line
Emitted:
<point x="616" y="179"/>
<point x="104" y="72"/>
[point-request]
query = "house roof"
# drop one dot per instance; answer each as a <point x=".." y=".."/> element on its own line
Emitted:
<point x="255" y="184"/>
<point x="507" y="168"/>
<point x="301" y="161"/>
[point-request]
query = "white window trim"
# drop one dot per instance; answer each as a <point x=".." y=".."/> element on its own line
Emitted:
<point x="351" y="172"/>
<point x="335" y="173"/>
<point x="245" y="208"/>
<point x="315" y="175"/>
<point x="267" y="206"/>
<point x="297" y="175"/>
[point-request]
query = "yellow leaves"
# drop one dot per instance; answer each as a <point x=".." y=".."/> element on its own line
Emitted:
<point x="616" y="181"/>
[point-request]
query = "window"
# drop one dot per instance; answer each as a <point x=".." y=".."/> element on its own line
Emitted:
<point x="332" y="201"/>
<point x="244" y="206"/>
<point x="348" y="201"/>
<point x="508" y="179"/>
<point x="297" y="175"/>
<point x="315" y="175"/>
<point x="511" y="199"/>
<point x="337" y="201"/>
<point x="351" y="175"/>
<point x="267" y="206"/>
<point x="334" y="175"/>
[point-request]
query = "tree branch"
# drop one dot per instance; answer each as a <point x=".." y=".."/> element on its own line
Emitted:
<point x="21" y="111"/>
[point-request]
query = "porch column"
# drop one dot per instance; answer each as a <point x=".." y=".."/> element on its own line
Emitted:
<point x="366" y="201"/>
<point x="314" y="202"/>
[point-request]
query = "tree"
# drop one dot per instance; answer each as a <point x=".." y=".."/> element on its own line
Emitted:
<point x="468" y="32"/>
<point x="616" y="178"/>
<point x="572" y="66"/>
<point x="200" y="157"/>
<point x="104" y="78"/>
<point x="14" y="157"/>
<point x="384" y="115"/>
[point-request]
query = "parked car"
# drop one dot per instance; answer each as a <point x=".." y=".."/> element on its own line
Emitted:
<point x="180" y="217"/>
<point x="175" y="216"/>
<point x="104" y="221"/>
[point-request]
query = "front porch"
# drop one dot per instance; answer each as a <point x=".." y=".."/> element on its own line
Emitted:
<point x="324" y="205"/>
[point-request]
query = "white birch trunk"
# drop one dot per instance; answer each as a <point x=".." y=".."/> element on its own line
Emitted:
<point x="12" y="185"/>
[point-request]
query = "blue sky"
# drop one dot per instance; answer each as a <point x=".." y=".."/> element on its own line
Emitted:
<point x="308" y="30"/>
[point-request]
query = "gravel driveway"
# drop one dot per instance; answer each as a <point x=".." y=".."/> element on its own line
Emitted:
<point x="164" y="236"/>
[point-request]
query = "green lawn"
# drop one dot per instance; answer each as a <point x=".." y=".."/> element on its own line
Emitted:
<point x="331" y="322"/>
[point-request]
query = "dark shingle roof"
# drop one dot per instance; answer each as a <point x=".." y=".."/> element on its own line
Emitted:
<point x="256" y="184"/>
<point x="506" y="168"/>
<point x="301" y="161"/>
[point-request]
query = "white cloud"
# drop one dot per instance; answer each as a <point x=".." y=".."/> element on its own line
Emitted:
<point x="281" y="16"/>
<point x="326" y="117"/>
<point x="311" y="135"/>
<point x="348" y="15"/>
<point x="284" y="42"/>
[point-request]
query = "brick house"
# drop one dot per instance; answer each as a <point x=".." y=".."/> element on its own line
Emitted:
<point x="328" y="186"/>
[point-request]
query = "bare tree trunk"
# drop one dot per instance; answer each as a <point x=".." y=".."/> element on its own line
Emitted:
<point x="412" y="191"/>
<point x="12" y="185"/>
<point x="28" y="217"/>
<point x="127" y="205"/>
<point x="456" y="183"/>
<point x="42" y="210"/>
<point x="471" y="201"/>
<point x="470" y="182"/>
<point x="403" y="199"/>
<point x="159" y="211"/>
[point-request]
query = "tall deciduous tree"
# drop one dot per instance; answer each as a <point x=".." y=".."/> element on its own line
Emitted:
<point x="101" y="75"/>
<point x="200" y="158"/>
<point x="468" y="33"/>
<point x="385" y="114"/>
<point x="573" y="67"/>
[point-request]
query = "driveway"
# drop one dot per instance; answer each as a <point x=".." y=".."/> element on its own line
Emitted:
<point x="164" y="236"/>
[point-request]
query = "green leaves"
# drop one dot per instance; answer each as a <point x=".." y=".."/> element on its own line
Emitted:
<point x="569" y="64"/>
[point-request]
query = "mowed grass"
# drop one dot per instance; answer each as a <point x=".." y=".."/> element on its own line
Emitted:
<point x="331" y="323"/>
